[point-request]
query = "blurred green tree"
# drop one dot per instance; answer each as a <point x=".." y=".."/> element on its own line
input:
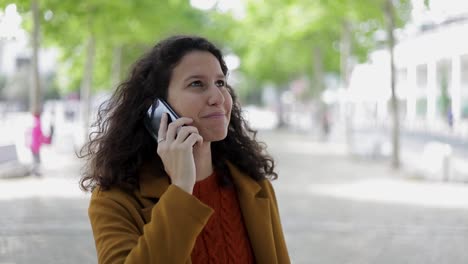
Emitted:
<point x="278" y="41"/>
<point x="98" y="39"/>
<point x="281" y="40"/>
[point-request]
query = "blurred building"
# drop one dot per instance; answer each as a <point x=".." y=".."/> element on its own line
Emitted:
<point x="431" y="59"/>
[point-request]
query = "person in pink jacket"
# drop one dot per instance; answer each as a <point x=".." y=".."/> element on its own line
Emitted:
<point x="37" y="139"/>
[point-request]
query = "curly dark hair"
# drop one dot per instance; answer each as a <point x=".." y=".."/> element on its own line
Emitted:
<point x="120" y="144"/>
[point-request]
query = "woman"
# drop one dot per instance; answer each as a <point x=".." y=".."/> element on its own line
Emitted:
<point x="37" y="140"/>
<point x="200" y="194"/>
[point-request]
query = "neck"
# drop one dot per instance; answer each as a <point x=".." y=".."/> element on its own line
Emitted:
<point x="203" y="161"/>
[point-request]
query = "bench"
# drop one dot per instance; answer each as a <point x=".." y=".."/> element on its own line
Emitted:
<point x="10" y="166"/>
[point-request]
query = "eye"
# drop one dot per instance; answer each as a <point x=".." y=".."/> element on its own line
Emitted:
<point x="196" y="84"/>
<point x="220" y="83"/>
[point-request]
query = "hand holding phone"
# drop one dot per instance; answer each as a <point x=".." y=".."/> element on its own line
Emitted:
<point x="176" y="138"/>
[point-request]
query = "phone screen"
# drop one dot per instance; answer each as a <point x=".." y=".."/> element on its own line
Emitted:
<point x="153" y="116"/>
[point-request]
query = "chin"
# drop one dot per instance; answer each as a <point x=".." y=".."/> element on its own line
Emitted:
<point x="213" y="137"/>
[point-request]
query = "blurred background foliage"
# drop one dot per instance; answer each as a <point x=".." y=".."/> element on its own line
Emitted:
<point x="276" y="41"/>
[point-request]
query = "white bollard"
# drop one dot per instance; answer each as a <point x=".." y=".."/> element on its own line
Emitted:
<point x="436" y="160"/>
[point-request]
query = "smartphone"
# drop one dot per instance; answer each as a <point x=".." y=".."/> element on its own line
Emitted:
<point x="154" y="114"/>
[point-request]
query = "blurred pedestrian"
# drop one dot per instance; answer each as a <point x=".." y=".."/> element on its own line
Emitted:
<point x="52" y="125"/>
<point x="325" y="122"/>
<point x="37" y="140"/>
<point x="201" y="192"/>
<point x="450" y="118"/>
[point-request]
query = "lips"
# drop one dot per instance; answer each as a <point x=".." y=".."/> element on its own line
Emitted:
<point x="214" y="115"/>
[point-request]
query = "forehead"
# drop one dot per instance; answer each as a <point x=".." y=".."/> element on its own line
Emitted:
<point x="198" y="62"/>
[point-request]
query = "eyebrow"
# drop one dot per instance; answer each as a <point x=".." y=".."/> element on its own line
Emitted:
<point x="196" y="76"/>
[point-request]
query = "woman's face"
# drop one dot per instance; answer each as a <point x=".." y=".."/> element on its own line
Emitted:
<point x="197" y="89"/>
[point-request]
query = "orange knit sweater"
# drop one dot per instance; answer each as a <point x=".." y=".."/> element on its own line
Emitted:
<point x="224" y="238"/>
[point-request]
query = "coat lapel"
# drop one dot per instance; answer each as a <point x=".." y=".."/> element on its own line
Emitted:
<point x="255" y="208"/>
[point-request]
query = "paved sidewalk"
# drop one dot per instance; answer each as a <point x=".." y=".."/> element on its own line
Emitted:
<point x="338" y="210"/>
<point x="334" y="210"/>
<point x="44" y="219"/>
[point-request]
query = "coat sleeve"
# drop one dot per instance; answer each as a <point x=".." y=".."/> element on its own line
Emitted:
<point x="280" y="243"/>
<point x="176" y="221"/>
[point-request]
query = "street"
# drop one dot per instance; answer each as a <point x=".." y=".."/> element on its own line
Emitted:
<point x="334" y="210"/>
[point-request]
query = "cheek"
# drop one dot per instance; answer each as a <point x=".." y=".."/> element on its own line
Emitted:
<point x="183" y="105"/>
<point x="228" y="101"/>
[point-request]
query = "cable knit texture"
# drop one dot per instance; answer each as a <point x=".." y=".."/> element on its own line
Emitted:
<point x="224" y="238"/>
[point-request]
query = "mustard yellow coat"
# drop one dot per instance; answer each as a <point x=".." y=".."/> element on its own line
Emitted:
<point x="131" y="228"/>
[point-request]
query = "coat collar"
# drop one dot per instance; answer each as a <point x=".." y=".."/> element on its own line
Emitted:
<point x="253" y="200"/>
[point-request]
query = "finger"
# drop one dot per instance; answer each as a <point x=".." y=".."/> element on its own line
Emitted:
<point x="162" y="127"/>
<point x="193" y="139"/>
<point x="174" y="126"/>
<point x="184" y="132"/>
<point x="199" y="140"/>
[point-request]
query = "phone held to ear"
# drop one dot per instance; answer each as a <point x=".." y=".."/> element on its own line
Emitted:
<point x="154" y="114"/>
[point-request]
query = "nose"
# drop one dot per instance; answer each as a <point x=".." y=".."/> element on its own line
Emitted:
<point x="216" y="96"/>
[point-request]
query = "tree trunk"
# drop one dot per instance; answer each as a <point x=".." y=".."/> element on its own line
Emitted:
<point x="390" y="19"/>
<point x="35" y="91"/>
<point x="318" y="70"/>
<point x="86" y="86"/>
<point x="345" y="72"/>
<point x="116" y="67"/>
